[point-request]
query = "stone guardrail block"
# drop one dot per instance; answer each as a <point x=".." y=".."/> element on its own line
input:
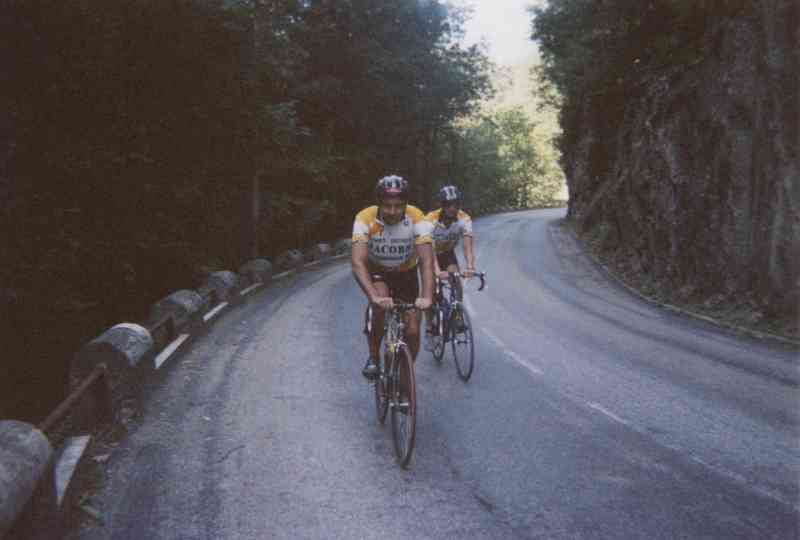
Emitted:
<point x="317" y="252"/>
<point x="122" y="348"/>
<point x="343" y="246"/>
<point x="25" y="457"/>
<point x="256" y="271"/>
<point x="208" y="297"/>
<point x="289" y="260"/>
<point x="225" y="284"/>
<point x="183" y="306"/>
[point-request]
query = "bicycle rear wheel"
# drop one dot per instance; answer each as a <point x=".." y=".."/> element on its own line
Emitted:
<point x="404" y="414"/>
<point x="381" y="394"/>
<point x="441" y="331"/>
<point x="462" y="343"/>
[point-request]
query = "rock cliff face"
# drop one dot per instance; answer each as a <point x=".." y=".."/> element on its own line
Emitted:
<point x="692" y="178"/>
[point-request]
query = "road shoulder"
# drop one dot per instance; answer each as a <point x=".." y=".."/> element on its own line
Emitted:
<point x="742" y="318"/>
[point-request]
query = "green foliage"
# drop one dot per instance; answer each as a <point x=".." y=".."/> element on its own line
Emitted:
<point x="497" y="161"/>
<point x="131" y="133"/>
<point x="592" y="47"/>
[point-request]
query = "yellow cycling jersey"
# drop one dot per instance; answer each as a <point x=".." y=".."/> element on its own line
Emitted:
<point x="392" y="246"/>
<point x="446" y="237"/>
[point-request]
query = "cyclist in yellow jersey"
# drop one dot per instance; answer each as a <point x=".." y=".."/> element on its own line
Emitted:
<point x="451" y="224"/>
<point x="390" y="242"/>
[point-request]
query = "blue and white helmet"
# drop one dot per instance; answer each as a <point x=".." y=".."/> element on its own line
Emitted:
<point x="449" y="194"/>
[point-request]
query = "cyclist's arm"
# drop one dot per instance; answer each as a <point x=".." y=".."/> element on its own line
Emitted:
<point x="359" y="260"/>
<point x="425" y="252"/>
<point x="469" y="257"/>
<point x="436" y="268"/>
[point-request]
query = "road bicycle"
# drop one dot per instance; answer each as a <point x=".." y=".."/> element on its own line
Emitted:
<point x="451" y="324"/>
<point x="389" y="395"/>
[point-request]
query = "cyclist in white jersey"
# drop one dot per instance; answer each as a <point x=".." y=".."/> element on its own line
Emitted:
<point x="450" y="225"/>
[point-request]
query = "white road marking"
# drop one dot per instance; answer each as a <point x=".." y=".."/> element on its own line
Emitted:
<point x="511" y="354"/>
<point x="169" y="349"/>
<point x="249" y="289"/>
<point x="606" y="412"/>
<point x="67" y="463"/>
<point x="739" y="479"/>
<point x="282" y="274"/>
<point x="211" y="314"/>
<point x="716" y="469"/>
<point x="733" y="476"/>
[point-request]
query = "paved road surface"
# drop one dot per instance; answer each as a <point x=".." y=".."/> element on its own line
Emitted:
<point x="590" y="415"/>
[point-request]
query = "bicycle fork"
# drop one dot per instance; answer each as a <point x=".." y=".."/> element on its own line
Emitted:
<point x="392" y="375"/>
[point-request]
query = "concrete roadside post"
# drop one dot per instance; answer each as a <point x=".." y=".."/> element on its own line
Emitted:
<point x="256" y="271"/>
<point x="317" y="253"/>
<point x="122" y="349"/>
<point x="183" y="306"/>
<point x="27" y="495"/>
<point x="289" y="260"/>
<point x="184" y="310"/>
<point x="226" y="284"/>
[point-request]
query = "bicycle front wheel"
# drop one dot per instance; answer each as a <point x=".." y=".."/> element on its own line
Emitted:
<point x="440" y="333"/>
<point x="462" y="342"/>
<point x="381" y="393"/>
<point x="404" y="408"/>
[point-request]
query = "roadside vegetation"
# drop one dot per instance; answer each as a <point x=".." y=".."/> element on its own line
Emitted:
<point x="144" y="143"/>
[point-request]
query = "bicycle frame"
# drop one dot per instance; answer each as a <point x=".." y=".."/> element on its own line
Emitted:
<point x="448" y="304"/>
<point x="453" y="324"/>
<point x="393" y="340"/>
<point x="394" y="330"/>
<point x="388" y="385"/>
<point x="394" y="326"/>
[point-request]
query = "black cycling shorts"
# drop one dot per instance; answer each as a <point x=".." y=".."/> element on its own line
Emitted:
<point x="403" y="286"/>
<point x="446" y="258"/>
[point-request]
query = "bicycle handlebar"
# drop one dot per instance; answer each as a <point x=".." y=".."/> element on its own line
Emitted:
<point x="400" y="306"/>
<point x="481" y="275"/>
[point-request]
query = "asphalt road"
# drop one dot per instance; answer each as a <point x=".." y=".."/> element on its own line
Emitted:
<point x="590" y="415"/>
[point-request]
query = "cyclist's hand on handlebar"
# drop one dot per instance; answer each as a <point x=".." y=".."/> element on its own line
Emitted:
<point x="422" y="303"/>
<point x="383" y="302"/>
<point x="468" y="273"/>
<point x="443" y="274"/>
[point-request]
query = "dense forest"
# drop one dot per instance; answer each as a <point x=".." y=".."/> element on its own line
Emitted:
<point x="681" y="146"/>
<point x="144" y="143"/>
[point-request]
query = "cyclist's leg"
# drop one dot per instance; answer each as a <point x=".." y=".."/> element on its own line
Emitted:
<point x="375" y="336"/>
<point x="412" y="321"/>
<point x="436" y="296"/>
<point x="451" y="264"/>
<point x="405" y="288"/>
<point x="457" y="283"/>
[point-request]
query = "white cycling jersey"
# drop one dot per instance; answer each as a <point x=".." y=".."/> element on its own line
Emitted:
<point x="392" y="246"/>
<point x="446" y="237"/>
